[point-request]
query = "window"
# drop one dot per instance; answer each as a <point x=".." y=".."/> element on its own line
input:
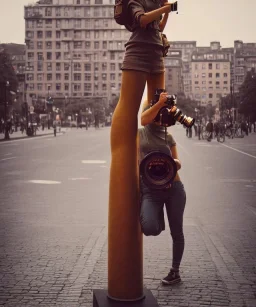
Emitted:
<point x="87" y="67"/>
<point x="48" y="23"/>
<point x="58" y="45"/>
<point x="96" y="45"/>
<point x="39" y="77"/>
<point x="66" y="77"/>
<point x="203" y="75"/>
<point x="225" y="82"/>
<point x="58" y="66"/>
<point x="77" y="67"/>
<point x="48" y="12"/>
<point x="40" y="56"/>
<point x="112" y="66"/>
<point x="49" y="77"/>
<point x="58" y="55"/>
<point x="39" y="34"/>
<point x="196" y="82"/>
<point x="58" y="12"/>
<point x="49" y="56"/>
<point x="203" y="66"/>
<point x="210" y="75"/>
<point x="217" y="75"/>
<point x="78" y="1"/>
<point x="48" y="34"/>
<point x="57" y="34"/>
<point x="87" y="87"/>
<point x="39" y="87"/>
<point x="77" y="87"/>
<point x="210" y="66"/>
<point x="196" y="75"/>
<point x="217" y="82"/>
<point x="58" y="77"/>
<point x="77" y="77"/>
<point x="58" y="87"/>
<point x="66" y="66"/>
<point x="87" y="77"/>
<point x="48" y="45"/>
<point x="30" y="77"/>
<point x="66" y="86"/>
<point x="98" y="2"/>
<point x="77" y="45"/>
<point x="217" y="66"/>
<point x="49" y="66"/>
<point x="225" y="75"/>
<point x="210" y="95"/>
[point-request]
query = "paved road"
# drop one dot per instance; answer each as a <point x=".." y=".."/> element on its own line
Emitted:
<point x="53" y="222"/>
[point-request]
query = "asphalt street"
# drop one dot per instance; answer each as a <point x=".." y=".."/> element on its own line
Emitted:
<point x="53" y="222"/>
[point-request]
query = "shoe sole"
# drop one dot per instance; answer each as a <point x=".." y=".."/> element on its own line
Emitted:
<point x="165" y="282"/>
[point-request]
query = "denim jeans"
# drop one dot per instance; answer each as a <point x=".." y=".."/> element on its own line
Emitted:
<point x="152" y="215"/>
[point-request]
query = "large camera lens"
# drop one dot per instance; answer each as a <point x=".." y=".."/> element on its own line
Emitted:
<point x="183" y="119"/>
<point x="158" y="170"/>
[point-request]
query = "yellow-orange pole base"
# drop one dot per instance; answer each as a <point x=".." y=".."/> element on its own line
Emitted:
<point x="125" y="251"/>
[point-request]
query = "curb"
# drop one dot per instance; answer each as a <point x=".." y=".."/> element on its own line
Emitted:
<point x="28" y="137"/>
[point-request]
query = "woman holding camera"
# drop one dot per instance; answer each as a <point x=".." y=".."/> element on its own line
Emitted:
<point x="152" y="137"/>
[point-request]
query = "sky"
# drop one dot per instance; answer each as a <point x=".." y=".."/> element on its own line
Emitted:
<point x="198" y="20"/>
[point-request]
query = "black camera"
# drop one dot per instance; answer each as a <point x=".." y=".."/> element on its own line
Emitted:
<point x="174" y="6"/>
<point x="169" y="114"/>
<point x="158" y="169"/>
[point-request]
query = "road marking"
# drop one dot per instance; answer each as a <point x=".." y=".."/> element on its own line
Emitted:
<point x="240" y="151"/>
<point x="184" y="150"/>
<point x="7" y="158"/>
<point x="237" y="180"/>
<point x="93" y="162"/>
<point x="249" y="186"/>
<point x="82" y="178"/>
<point x="8" y="154"/>
<point x="44" y="181"/>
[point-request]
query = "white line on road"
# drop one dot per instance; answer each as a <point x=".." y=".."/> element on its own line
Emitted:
<point x="7" y="158"/>
<point x="38" y="137"/>
<point x="240" y="151"/>
<point x="44" y="181"/>
<point x="81" y="178"/>
<point x="8" y="154"/>
<point x="93" y="162"/>
<point x="184" y="150"/>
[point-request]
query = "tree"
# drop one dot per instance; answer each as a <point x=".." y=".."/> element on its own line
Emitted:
<point x="7" y="73"/>
<point x="187" y="105"/>
<point x="247" y="93"/>
<point x="210" y="111"/>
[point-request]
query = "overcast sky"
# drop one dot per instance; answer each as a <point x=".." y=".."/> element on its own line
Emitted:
<point x="199" y="20"/>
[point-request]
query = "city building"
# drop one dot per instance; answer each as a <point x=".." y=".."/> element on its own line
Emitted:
<point x="74" y="50"/>
<point x="186" y="48"/>
<point x="173" y="72"/>
<point x="244" y="61"/>
<point x="210" y="74"/>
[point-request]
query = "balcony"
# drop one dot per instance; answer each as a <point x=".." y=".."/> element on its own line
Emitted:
<point x="33" y="15"/>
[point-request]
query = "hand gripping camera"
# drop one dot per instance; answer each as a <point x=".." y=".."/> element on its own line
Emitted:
<point x="169" y="114"/>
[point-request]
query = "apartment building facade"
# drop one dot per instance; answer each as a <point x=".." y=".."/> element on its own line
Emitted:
<point x="186" y="48"/>
<point x="244" y="61"/>
<point x="210" y="76"/>
<point x="74" y="49"/>
<point x="173" y="72"/>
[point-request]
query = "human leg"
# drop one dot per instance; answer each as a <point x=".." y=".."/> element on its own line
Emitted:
<point x="175" y="205"/>
<point x="154" y="81"/>
<point x="151" y="212"/>
<point x="124" y="232"/>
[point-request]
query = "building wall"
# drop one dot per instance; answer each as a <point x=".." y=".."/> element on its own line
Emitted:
<point x="74" y="48"/>
<point x="210" y="80"/>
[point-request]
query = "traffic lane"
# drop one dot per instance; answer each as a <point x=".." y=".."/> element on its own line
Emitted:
<point x="215" y="175"/>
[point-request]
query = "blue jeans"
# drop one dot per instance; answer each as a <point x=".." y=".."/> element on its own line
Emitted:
<point x="152" y="215"/>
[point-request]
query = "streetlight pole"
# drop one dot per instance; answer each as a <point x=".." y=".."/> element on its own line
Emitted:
<point x="6" y="128"/>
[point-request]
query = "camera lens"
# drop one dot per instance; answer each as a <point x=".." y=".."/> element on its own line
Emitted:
<point x="157" y="170"/>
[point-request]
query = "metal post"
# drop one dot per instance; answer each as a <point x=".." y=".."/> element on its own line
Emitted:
<point x="6" y="129"/>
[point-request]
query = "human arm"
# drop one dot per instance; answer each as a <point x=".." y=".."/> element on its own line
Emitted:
<point x="163" y="22"/>
<point x="149" y="115"/>
<point x="175" y="156"/>
<point x="143" y="18"/>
